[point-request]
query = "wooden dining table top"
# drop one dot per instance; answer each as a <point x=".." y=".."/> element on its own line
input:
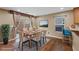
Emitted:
<point x="31" y="32"/>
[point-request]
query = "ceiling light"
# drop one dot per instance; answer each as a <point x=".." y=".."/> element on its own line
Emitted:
<point x="61" y="8"/>
<point x="18" y="10"/>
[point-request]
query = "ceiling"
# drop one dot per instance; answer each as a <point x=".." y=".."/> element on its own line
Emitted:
<point x="38" y="11"/>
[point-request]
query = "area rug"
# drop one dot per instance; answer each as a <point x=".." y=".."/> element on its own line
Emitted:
<point x="26" y="45"/>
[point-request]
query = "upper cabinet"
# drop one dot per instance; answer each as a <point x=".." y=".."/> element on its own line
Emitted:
<point x="76" y="15"/>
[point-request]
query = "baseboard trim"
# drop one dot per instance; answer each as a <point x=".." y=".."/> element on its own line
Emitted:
<point x="54" y="36"/>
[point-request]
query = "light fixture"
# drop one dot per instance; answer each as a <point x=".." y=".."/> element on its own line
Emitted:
<point x="18" y="10"/>
<point x="62" y="8"/>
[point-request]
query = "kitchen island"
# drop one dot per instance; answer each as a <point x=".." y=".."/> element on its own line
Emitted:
<point x="75" y="36"/>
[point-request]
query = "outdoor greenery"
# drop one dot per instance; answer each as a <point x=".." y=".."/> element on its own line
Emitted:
<point x="45" y="25"/>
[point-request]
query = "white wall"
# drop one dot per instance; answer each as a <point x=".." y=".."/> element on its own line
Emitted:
<point x="51" y="22"/>
<point x="6" y="18"/>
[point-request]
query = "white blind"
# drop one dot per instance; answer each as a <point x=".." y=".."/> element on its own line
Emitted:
<point x="59" y="20"/>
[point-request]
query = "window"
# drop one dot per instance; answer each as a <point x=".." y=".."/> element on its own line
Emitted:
<point x="59" y="23"/>
<point x="43" y="23"/>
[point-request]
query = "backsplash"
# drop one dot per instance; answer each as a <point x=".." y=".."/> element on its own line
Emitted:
<point x="77" y="26"/>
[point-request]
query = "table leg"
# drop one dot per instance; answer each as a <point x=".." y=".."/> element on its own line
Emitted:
<point x="30" y="43"/>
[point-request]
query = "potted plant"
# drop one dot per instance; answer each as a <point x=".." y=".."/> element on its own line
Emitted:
<point x="5" y="28"/>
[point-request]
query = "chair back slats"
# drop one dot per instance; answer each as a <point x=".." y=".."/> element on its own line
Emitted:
<point x="43" y="33"/>
<point x="20" y="31"/>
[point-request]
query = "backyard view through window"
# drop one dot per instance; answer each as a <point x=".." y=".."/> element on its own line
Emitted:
<point x="44" y="23"/>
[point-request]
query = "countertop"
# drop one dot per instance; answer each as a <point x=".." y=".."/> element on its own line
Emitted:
<point x="74" y="29"/>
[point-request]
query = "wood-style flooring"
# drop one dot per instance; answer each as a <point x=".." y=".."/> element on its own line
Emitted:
<point x="8" y="47"/>
<point x="52" y="45"/>
<point x="56" y="45"/>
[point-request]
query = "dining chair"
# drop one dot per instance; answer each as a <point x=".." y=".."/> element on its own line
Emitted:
<point x="37" y="39"/>
<point x="67" y="36"/>
<point x="20" y="30"/>
<point x="27" y="26"/>
<point x="43" y="36"/>
<point x="23" y="38"/>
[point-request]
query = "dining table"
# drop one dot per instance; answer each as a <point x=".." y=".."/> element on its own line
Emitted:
<point x="30" y="34"/>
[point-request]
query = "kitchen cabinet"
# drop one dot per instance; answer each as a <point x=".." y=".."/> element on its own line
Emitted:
<point x="76" y="15"/>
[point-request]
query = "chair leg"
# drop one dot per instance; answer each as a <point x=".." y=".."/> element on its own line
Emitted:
<point x="66" y="40"/>
<point x="37" y="46"/>
<point x="70" y="41"/>
<point x="29" y="44"/>
<point x="40" y="42"/>
<point x="22" y="46"/>
<point x="19" y="45"/>
<point x="43" y="40"/>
